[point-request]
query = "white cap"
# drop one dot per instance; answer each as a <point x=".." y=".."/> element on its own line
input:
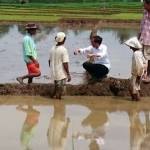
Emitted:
<point x="60" y="37"/>
<point x="133" y="42"/>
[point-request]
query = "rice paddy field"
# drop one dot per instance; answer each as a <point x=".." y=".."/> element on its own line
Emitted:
<point x="60" y="11"/>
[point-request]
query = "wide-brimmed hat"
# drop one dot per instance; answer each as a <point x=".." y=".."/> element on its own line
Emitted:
<point x="133" y="42"/>
<point x="60" y="37"/>
<point x="31" y="26"/>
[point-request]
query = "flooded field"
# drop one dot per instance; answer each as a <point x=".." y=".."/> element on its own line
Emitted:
<point x="75" y="123"/>
<point x="11" y="61"/>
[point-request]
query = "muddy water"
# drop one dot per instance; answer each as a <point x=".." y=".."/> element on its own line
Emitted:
<point x="75" y="123"/>
<point x="11" y="61"/>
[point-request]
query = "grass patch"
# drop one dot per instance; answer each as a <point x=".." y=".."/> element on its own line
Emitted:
<point x="55" y="12"/>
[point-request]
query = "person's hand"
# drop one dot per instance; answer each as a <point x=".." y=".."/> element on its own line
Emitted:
<point x="68" y="77"/>
<point x="36" y="63"/>
<point x="90" y="55"/>
<point x="76" y="51"/>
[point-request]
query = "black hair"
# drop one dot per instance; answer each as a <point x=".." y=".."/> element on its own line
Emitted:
<point x="97" y="39"/>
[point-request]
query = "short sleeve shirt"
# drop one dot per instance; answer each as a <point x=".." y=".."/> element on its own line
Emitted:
<point x="29" y="48"/>
<point x="58" y="56"/>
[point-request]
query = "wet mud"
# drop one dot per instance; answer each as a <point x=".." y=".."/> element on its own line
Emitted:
<point x="106" y="87"/>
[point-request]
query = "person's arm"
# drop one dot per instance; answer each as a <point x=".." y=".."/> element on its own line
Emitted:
<point x="66" y="68"/>
<point x="83" y="50"/>
<point x="65" y="61"/>
<point x="49" y="62"/>
<point x="142" y="24"/>
<point x="139" y="64"/>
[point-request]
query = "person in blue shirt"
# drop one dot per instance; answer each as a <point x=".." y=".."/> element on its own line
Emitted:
<point x="30" y="54"/>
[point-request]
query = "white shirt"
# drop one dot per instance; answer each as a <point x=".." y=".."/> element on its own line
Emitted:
<point x="58" y="56"/>
<point x="138" y="63"/>
<point x="101" y="52"/>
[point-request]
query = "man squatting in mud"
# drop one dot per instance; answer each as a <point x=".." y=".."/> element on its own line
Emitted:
<point x="58" y="62"/>
<point x="30" y="54"/>
<point x="98" y="65"/>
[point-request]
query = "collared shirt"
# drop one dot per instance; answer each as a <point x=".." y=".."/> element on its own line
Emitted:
<point x="101" y="51"/>
<point x="29" y="48"/>
<point x="138" y="63"/>
<point x="145" y="29"/>
<point x="58" y="56"/>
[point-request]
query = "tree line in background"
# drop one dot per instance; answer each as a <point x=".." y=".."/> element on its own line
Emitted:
<point x="62" y="1"/>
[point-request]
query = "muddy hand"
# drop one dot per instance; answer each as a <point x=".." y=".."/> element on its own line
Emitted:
<point x="69" y="78"/>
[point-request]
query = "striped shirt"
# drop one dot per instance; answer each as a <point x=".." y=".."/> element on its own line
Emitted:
<point x="145" y="29"/>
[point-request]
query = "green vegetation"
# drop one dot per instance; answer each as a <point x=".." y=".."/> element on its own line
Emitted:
<point x="64" y="1"/>
<point x="54" y="12"/>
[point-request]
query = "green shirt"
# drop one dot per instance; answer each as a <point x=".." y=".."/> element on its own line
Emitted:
<point x="29" y="48"/>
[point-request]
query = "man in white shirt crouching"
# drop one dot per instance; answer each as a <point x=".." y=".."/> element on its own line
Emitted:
<point x="98" y="65"/>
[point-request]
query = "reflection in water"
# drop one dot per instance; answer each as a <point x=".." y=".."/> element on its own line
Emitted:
<point x="98" y="121"/>
<point x="4" y="30"/>
<point x="57" y="130"/>
<point x="121" y="34"/>
<point x="29" y="126"/>
<point x="139" y="132"/>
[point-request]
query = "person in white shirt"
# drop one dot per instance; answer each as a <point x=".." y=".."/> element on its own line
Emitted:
<point x="139" y="65"/>
<point x="58" y="62"/>
<point x="98" y="65"/>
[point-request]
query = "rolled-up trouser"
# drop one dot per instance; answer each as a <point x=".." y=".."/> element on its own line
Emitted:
<point x="60" y="86"/>
<point x="135" y="86"/>
<point x="96" y="70"/>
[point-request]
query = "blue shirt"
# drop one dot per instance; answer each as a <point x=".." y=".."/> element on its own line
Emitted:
<point x="29" y="48"/>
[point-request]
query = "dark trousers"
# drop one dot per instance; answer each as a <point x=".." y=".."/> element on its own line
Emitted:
<point x="96" y="70"/>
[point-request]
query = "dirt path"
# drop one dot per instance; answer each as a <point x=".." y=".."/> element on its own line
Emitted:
<point x="107" y="87"/>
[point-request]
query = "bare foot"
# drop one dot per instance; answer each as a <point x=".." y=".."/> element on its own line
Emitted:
<point x="20" y="80"/>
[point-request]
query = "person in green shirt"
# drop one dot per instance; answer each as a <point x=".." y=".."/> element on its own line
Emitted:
<point x="30" y="54"/>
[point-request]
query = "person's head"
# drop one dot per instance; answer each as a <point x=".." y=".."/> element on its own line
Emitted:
<point x="134" y="44"/>
<point x="93" y="33"/>
<point x="31" y="28"/>
<point x="96" y="41"/>
<point x="147" y="5"/>
<point x="60" y="38"/>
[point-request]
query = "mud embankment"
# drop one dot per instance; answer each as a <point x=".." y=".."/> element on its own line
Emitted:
<point x="97" y="23"/>
<point x="107" y="87"/>
<point x="85" y="23"/>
